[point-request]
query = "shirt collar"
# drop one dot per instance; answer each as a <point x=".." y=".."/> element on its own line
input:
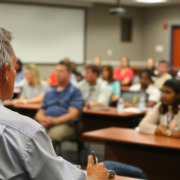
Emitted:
<point x="67" y="87"/>
<point x="1" y="104"/>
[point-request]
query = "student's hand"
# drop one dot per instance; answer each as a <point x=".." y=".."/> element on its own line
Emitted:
<point x="17" y="101"/>
<point x="47" y="121"/>
<point x="96" y="172"/>
<point x="161" y="130"/>
<point x="126" y="105"/>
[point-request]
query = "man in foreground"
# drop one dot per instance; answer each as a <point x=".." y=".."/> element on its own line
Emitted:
<point x="26" y="151"/>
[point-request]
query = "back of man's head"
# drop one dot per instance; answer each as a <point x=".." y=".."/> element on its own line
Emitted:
<point x="5" y="48"/>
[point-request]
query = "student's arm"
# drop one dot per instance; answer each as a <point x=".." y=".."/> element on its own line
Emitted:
<point x="116" y="91"/>
<point x="126" y="81"/>
<point x="149" y="123"/>
<point x="19" y="100"/>
<point x="72" y="114"/>
<point x="162" y="130"/>
<point x="114" y="98"/>
<point x="128" y="77"/>
<point x="37" y="99"/>
<point x="96" y="104"/>
<point x="104" y="97"/>
<point x="150" y="103"/>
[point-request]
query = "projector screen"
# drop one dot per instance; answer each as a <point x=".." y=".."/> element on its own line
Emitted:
<point x="45" y="35"/>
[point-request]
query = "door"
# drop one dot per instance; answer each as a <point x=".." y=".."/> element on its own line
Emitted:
<point x="176" y="47"/>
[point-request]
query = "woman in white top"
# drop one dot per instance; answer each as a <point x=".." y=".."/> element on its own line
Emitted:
<point x="34" y="89"/>
<point x="145" y="85"/>
<point x="165" y="117"/>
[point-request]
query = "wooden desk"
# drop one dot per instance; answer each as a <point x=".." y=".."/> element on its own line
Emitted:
<point x="26" y="109"/>
<point x="95" y="119"/>
<point x="157" y="156"/>
<point x="27" y="106"/>
<point x="92" y="119"/>
<point x="124" y="178"/>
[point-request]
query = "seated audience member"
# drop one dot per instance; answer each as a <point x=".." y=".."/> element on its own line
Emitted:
<point x="34" y="89"/>
<point x="60" y="105"/>
<point x="19" y="75"/>
<point x="52" y="81"/>
<point x="163" y="74"/>
<point x="78" y="75"/>
<point x="146" y="80"/>
<point x="125" y="170"/>
<point x="124" y="73"/>
<point x="165" y="116"/>
<point x="150" y="64"/>
<point x="97" y="62"/>
<point x="94" y="89"/>
<point x="107" y="75"/>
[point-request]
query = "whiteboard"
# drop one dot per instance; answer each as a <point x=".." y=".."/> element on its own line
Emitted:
<point x="45" y="34"/>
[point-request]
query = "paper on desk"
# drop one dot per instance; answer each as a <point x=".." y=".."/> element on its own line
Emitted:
<point x="132" y="109"/>
<point x="100" y="108"/>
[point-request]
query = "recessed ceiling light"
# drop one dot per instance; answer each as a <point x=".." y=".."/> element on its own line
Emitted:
<point x="151" y="1"/>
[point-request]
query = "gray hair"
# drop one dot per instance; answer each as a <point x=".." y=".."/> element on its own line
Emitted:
<point x="5" y="48"/>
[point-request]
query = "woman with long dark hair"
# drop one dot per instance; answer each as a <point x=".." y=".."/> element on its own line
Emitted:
<point x="115" y="86"/>
<point x="165" y="117"/>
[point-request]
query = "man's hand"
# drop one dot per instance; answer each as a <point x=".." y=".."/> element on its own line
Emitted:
<point x="17" y="101"/>
<point x="96" y="172"/>
<point x="161" y="130"/>
<point x="47" y="121"/>
<point x="126" y="105"/>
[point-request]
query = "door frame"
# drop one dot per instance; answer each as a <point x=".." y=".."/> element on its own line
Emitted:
<point x="171" y="46"/>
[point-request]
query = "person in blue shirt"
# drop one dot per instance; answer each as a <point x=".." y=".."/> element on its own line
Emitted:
<point x="60" y="106"/>
<point x="19" y="75"/>
<point x="26" y="152"/>
<point x="115" y="86"/>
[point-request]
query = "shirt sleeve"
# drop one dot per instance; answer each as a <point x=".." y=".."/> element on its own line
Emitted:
<point x="117" y="88"/>
<point x="44" y="102"/>
<point x="45" y="87"/>
<point x="154" y="95"/>
<point x="41" y="161"/>
<point x="104" y="96"/>
<point x="76" y="100"/>
<point x="149" y="123"/>
<point x="73" y="79"/>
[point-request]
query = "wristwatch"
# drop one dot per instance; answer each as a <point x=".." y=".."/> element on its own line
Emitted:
<point x="168" y="132"/>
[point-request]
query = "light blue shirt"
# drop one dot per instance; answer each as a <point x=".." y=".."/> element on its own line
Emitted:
<point x="73" y="79"/>
<point x="26" y="152"/>
<point x="116" y="88"/>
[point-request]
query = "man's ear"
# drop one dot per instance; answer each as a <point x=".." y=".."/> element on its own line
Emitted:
<point x="3" y="73"/>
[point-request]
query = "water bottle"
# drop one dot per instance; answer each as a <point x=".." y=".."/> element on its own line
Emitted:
<point x="142" y="103"/>
<point x="120" y="105"/>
